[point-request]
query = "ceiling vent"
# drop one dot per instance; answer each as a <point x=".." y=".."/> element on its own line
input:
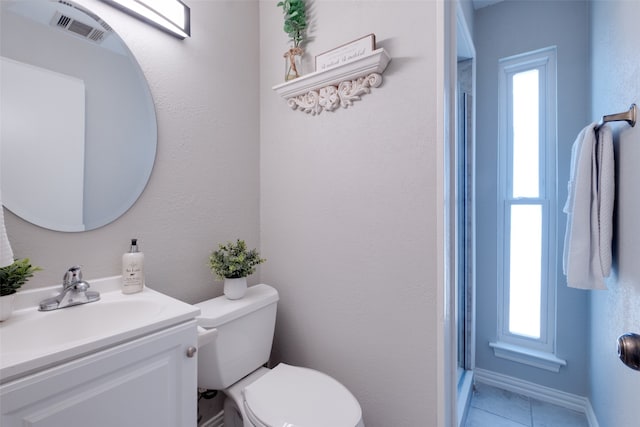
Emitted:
<point x="81" y="29"/>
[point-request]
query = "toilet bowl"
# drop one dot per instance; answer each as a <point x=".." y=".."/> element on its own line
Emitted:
<point x="235" y="338"/>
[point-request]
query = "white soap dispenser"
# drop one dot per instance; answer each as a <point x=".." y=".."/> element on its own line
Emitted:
<point x="132" y="269"/>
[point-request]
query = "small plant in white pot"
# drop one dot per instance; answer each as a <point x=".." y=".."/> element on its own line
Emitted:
<point x="12" y="277"/>
<point x="233" y="262"/>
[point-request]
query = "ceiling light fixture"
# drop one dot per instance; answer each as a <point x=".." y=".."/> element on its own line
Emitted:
<point x="172" y="16"/>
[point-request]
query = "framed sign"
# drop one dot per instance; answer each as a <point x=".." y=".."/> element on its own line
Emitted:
<point x="346" y="53"/>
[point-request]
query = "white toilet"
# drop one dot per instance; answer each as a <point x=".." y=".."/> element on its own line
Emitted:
<point x="234" y="343"/>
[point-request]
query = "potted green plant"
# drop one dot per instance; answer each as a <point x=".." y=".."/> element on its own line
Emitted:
<point x="12" y="277"/>
<point x="233" y="262"/>
<point x="295" y="25"/>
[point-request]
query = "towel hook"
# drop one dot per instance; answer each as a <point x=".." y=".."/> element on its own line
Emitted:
<point x="627" y="116"/>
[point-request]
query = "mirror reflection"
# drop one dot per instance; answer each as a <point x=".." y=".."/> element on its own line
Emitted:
<point x="78" y="135"/>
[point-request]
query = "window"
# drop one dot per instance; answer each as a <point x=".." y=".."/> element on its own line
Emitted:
<point x="527" y="209"/>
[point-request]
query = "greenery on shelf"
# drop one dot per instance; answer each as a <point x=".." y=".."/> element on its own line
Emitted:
<point x="233" y="260"/>
<point x="295" y="20"/>
<point x="13" y="276"/>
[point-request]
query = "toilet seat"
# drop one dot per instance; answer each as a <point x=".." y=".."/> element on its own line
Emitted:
<point x="300" y="397"/>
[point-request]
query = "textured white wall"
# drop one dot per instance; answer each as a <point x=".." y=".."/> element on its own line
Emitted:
<point x="349" y="210"/>
<point x="614" y="387"/>
<point x="204" y="187"/>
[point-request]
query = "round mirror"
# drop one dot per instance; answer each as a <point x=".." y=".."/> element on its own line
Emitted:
<point x="78" y="135"/>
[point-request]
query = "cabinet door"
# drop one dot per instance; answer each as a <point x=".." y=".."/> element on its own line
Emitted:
<point x="150" y="381"/>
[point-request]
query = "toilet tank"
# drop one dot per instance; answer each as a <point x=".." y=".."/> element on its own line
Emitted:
<point x="242" y="337"/>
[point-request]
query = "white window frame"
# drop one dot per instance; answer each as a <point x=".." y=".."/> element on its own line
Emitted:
<point x="538" y="352"/>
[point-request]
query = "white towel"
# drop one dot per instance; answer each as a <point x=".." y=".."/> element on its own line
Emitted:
<point x="589" y="209"/>
<point x="6" y="254"/>
<point x="606" y="196"/>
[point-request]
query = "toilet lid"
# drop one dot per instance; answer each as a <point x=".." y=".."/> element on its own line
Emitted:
<point x="299" y="397"/>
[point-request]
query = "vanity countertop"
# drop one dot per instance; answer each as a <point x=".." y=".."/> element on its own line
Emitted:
<point x="31" y="340"/>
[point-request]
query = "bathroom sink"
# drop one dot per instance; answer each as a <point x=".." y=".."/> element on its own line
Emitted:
<point x="33" y="330"/>
<point x="32" y="339"/>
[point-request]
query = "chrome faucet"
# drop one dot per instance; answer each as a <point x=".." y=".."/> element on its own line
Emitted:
<point x="75" y="291"/>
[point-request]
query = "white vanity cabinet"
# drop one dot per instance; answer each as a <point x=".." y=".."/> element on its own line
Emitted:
<point x="146" y="381"/>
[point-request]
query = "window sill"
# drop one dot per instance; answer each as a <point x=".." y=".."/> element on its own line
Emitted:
<point x="539" y="359"/>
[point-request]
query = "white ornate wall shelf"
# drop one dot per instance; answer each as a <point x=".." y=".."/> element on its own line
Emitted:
<point x="336" y="87"/>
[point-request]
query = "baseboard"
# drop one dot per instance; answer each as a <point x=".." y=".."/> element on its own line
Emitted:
<point x="536" y="391"/>
<point x="216" y="421"/>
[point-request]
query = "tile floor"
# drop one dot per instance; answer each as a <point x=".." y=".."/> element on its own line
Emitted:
<point x="493" y="407"/>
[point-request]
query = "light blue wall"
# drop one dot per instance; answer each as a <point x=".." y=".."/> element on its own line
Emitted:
<point x="503" y="30"/>
<point x="616" y="67"/>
